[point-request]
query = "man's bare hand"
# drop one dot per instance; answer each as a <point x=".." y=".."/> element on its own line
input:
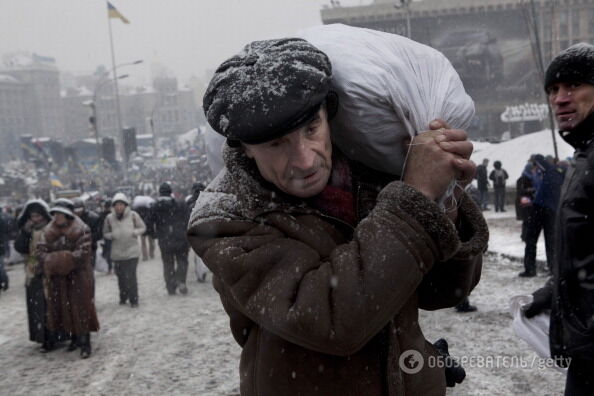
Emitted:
<point x="431" y="170"/>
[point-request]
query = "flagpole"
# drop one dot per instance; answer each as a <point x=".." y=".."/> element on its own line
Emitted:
<point x="120" y="134"/>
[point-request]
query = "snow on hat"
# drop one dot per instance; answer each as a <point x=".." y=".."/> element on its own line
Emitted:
<point x="165" y="189"/>
<point x="64" y="203"/>
<point x="120" y="197"/>
<point x="267" y="90"/>
<point x="62" y="209"/>
<point x="575" y="64"/>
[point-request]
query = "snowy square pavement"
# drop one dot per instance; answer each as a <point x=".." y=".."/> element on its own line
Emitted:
<point x="182" y="345"/>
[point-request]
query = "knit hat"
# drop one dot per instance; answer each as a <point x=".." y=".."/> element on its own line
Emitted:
<point x="267" y="90"/>
<point x="575" y="64"/>
<point x="64" y="203"/>
<point x="62" y="209"/>
<point x="165" y="189"/>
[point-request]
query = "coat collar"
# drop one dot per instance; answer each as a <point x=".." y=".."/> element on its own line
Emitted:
<point x="581" y="136"/>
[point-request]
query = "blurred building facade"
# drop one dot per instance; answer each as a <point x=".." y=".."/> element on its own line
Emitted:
<point x="487" y="41"/>
<point x="37" y="100"/>
<point x="163" y="108"/>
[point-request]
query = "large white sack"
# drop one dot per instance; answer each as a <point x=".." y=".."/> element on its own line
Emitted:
<point x="389" y="89"/>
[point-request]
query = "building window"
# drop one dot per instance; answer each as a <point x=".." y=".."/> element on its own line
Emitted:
<point x="563" y="24"/>
<point x="575" y="23"/>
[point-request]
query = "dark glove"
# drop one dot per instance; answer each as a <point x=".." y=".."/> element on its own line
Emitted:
<point x="540" y="303"/>
<point x="534" y="308"/>
<point x="454" y="372"/>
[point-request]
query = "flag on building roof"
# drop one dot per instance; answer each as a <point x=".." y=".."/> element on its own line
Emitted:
<point x="113" y="12"/>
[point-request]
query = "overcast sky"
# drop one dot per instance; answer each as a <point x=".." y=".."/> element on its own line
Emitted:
<point x="188" y="36"/>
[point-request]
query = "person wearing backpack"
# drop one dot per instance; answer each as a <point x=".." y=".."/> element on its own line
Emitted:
<point x="498" y="176"/>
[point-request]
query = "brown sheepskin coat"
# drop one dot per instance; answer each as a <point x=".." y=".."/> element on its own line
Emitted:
<point x="65" y="255"/>
<point x="323" y="308"/>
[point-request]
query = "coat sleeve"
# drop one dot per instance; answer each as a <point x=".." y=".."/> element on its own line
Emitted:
<point x="139" y="226"/>
<point x="332" y="298"/>
<point x="22" y="241"/>
<point x="449" y="282"/>
<point x="107" y="230"/>
<point x="83" y="248"/>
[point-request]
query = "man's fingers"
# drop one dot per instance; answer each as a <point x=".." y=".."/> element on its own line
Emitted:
<point x="438" y="124"/>
<point x="461" y="148"/>
<point x="465" y="170"/>
<point x="455" y="134"/>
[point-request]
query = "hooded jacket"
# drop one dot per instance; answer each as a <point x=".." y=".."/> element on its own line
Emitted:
<point x="123" y="233"/>
<point x="319" y="306"/>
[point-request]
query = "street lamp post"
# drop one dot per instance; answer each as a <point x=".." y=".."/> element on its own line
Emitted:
<point x="101" y="82"/>
<point x="93" y="105"/>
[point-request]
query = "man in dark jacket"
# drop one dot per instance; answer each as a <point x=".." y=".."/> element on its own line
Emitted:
<point x="543" y="214"/>
<point x="197" y="188"/>
<point x="482" y="182"/>
<point x="168" y="222"/>
<point x="569" y="82"/>
<point x="322" y="263"/>
<point x="498" y="176"/>
<point x="525" y="196"/>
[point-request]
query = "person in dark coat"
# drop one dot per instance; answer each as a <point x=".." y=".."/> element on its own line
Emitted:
<point x="31" y="221"/>
<point x="482" y="182"/>
<point x="525" y="193"/>
<point x="106" y="245"/>
<point x="543" y="213"/>
<point x="65" y="256"/>
<point x="169" y="219"/>
<point x="197" y="188"/>
<point x="93" y="221"/>
<point x="569" y="293"/>
<point x="142" y="205"/>
<point x="498" y="176"/>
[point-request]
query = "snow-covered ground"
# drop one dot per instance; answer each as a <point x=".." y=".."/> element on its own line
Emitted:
<point x="181" y="345"/>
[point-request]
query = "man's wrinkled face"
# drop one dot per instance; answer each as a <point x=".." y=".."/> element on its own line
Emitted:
<point x="298" y="163"/>
<point x="571" y="103"/>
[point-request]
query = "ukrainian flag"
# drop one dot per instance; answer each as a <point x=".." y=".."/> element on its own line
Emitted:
<point x="55" y="182"/>
<point x="113" y="12"/>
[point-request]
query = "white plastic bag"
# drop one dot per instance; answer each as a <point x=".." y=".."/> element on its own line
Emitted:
<point x="389" y="89"/>
<point x="535" y="330"/>
<point x="201" y="270"/>
<point x="100" y="262"/>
